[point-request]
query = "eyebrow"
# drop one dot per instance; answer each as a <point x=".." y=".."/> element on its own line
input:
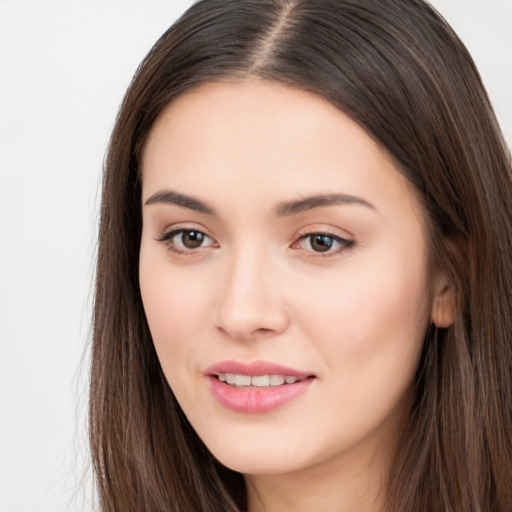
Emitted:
<point x="319" y="201"/>
<point x="170" y="197"/>
<point x="282" y="210"/>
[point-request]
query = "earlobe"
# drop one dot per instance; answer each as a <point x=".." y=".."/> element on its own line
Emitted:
<point x="443" y="307"/>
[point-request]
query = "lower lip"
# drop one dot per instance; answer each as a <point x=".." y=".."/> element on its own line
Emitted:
<point x="256" y="400"/>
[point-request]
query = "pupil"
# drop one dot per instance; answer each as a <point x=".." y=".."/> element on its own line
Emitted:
<point x="321" y="243"/>
<point x="192" y="239"/>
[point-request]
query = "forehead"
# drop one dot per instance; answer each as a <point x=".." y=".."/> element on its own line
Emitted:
<point x="259" y="136"/>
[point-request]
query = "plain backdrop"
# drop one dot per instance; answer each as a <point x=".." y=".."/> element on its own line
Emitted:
<point x="64" y="66"/>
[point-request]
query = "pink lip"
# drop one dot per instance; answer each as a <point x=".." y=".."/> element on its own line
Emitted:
<point x="256" y="400"/>
<point x="255" y="368"/>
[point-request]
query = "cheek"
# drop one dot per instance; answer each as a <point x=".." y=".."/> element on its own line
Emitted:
<point x="176" y="304"/>
<point x="368" y="332"/>
<point x="370" y="322"/>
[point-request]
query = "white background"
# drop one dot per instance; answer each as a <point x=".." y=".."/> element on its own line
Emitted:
<point x="64" y="66"/>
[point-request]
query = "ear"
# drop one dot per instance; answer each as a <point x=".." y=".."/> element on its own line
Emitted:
<point x="443" y="305"/>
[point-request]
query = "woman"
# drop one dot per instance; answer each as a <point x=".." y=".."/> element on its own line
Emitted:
<point x="304" y="268"/>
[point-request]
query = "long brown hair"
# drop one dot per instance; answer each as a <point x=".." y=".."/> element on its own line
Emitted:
<point x="399" y="71"/>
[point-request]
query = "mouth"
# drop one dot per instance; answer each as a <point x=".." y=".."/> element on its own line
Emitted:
<point x="256" y="387"/>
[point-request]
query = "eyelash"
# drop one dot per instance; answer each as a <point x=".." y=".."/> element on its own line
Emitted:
<point x="344" y="244"/>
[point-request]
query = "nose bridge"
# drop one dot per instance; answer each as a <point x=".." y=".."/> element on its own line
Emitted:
<point x="250" y="302"/>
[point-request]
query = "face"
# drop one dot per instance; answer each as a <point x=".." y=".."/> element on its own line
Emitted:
<point x="283" y="275"/>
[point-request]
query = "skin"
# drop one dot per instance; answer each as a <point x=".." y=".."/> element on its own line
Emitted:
<point x="255" y="289"/>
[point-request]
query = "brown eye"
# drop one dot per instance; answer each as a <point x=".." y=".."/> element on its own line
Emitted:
<point x="182" y="241"/>
<point x="192" y="239"/>
<point x="326" y="243"/>
<point x="321" y="243"/>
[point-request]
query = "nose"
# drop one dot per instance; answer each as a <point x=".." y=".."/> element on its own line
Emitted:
<point x="251" y="301"/>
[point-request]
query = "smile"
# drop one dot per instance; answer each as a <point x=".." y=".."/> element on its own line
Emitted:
<point x="257" y="381"/>
<point x="256" y="387"/>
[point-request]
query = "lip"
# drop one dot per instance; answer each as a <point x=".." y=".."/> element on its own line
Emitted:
<point x="256" y="400"/>
<point x="255" y="368"/>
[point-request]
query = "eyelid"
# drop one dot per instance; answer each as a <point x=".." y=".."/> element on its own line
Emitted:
<point x="166" y="232"/>
<point x="324" y="228"/>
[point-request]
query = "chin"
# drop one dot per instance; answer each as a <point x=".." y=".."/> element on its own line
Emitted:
<point x="257" y="464"/>
<point x="257" y="458"/>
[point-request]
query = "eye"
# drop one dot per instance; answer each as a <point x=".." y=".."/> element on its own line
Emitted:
<point x="323" y="243"/>
<point x="186" y="240"/>
<point x="191" y="239"/>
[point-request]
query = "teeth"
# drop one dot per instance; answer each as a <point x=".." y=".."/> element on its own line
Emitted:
<point x="277" y="380"/>
<point x="242" y="380"/>
<point x="261" y="381"/>
<point x="258" y="381"/>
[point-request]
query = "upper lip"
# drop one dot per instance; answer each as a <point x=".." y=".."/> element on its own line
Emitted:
<point x="254" y="368"/>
